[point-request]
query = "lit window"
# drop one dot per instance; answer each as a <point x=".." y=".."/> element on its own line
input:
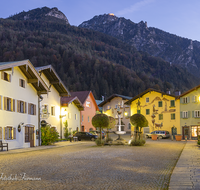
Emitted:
<point x="88" y="104"/>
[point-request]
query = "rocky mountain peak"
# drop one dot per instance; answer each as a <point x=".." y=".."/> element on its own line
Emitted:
<point x="43" y="13"/>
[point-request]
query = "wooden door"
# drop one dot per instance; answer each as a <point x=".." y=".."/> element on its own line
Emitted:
<point x="29" y="135"/>
<point x="185" y="132"/>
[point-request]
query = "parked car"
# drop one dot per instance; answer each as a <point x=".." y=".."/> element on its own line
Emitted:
<point x="98" y="133"/>
<point x="161" y="134"/>
<point x="85" y="136"/>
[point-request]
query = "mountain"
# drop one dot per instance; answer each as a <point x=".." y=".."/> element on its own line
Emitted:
<point x="171" y="48"/>
<point x="85" y="59"/>
<point x="43" y="13"/>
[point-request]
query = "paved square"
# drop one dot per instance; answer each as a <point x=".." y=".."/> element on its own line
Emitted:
<point x="85" y="166"/>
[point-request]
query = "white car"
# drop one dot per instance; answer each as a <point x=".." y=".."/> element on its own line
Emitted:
<point x="161" y="134"/>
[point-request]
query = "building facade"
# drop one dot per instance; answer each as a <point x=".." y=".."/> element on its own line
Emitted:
<point x="110" y="107"/>
<point x="190" y="113"/>
<point x="20" y="91"/>
<point x="162" y="110"/>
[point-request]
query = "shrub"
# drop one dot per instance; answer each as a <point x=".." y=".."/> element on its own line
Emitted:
<point x="99" y="142"/>
<point x="48" y="135"/>
<point x="138" y="142"/>
<point x="198" y="142"/>
<point x="109" y="139"/>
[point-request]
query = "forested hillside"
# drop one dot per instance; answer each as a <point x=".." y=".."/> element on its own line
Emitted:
<point x="89" y="60"/>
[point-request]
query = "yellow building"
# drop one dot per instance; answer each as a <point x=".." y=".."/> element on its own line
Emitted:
<point x="162" y="110"/>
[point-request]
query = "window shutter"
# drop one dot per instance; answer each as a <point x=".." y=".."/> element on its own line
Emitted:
<point x="34" y="109"/>
<point x="188" y="99"/>
<point x="181" y="114"/>
<point x="25" y="107"/>
<point x="0" y="102"/>
<point x="18" y="106"/>
<point x="5" y="103"/>
<point x="9" y="78"/>
<point x="14" y="133"/>
<point x="2" y="75"/>
<point x="5" y="133"/>
<point x="192" y="113"/>
<point x="29" y="108"/>
<point x="13" y="105"/>
<point x="181" y="100"/>
<point x="188" y="114"/>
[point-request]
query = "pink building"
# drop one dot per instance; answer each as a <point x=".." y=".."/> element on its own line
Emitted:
<point x="90" y="109"/>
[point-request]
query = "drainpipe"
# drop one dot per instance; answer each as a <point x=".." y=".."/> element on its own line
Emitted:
<point x="40" y="98"/>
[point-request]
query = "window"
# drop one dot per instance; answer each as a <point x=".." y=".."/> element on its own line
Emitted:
<point x="129" y="126"/>
<point x="5" y="76"/>
<point x="0" y="102"/>
<point x="108" y="107"/>
<point x="82" y="118"/>
<point x="138" y="111"/>
<point x="147" y="100"/>
<point x="69" y="115"/>
<point x="172" y="116"/>
<point x="22" y="83"/>
<point x="9" y="104"/>
<point x="160" y="116"/>
<point x="197" y="113"/>
<point x="147" y="111"/>
<point x="88" y="118"/>
<point x="160" y="104"/>
<point x="21" y="106"/>
<point x="53" y="110"/>
<point x="194" y="99"/>
<point x="88" y="104"/>
<point x="185" y="100"/>
<point x="9" y="133"/>
<point x="31" y="109"/>
<point x="172" y="103"/>
<point x="185" y="114"/>
<point x="76" y="116"/>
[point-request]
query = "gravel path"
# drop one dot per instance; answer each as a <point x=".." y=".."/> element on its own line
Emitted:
<point x="85" y="166"/>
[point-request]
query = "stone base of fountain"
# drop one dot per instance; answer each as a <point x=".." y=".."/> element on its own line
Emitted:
<point x="119" y="140"/>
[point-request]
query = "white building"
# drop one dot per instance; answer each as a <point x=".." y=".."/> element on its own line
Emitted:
<point x="20" y="90"/>
<point x="51" y="103"/>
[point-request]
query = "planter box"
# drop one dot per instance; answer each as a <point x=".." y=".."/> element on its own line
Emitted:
<point x="154" y="137"/>
<point x="178" y="137"/>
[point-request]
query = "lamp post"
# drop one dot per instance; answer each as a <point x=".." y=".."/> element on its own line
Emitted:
<point x="61" y="116"/>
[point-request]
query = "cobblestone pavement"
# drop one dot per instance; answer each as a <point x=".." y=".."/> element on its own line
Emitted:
<point x="85" y="166"/>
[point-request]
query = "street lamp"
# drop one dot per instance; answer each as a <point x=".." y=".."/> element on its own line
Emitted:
<point x="61" y="116"/>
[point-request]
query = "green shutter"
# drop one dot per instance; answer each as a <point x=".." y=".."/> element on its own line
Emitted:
<point x="192" y="113"/>
<point x="188" y="98"/>
<point x="188" y="114"/>
<point x="181" y="114"/>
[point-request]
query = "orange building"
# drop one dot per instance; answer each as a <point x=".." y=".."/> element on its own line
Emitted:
<point x="90" y="108"/>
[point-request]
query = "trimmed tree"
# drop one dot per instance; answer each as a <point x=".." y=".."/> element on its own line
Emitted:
<point x="139" y="121"/>
<point x="112" y="124"/>
<point x="100" y="121"/>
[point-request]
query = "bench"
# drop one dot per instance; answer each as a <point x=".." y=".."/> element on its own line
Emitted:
<point x="2" y="145"/>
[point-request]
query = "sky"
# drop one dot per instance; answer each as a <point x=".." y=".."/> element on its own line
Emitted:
<point x="179" y="17"/>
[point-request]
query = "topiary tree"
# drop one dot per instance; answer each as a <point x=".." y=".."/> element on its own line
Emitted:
<point x="112" y="124"/>
<point x="100" y="121"/>
<point x="139" y="121"/>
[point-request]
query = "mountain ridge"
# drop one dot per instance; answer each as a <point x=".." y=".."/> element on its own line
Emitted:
<point x="172" y="48"/>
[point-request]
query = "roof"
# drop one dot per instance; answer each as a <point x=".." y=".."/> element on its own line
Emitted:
<point x="113" y="96"/>
<point x="187" y="92"/>
<point x="30" y="73"/>
<point x="82" y="96"/>
<point x="54" y="79"/>
<point x="65" y="101"/>
<point x="145" y="92"/>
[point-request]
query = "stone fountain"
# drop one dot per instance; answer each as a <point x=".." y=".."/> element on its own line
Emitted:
<point x="119" y="131"/>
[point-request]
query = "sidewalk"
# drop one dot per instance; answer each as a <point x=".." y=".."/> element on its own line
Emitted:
<point x="56" y="145"/>
<point x="186" y="174"/>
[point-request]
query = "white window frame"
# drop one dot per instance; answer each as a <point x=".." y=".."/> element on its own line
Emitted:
<point x="185" y="114"/>
<point x="197" y="113"/>
<point x="185" y="100"/>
